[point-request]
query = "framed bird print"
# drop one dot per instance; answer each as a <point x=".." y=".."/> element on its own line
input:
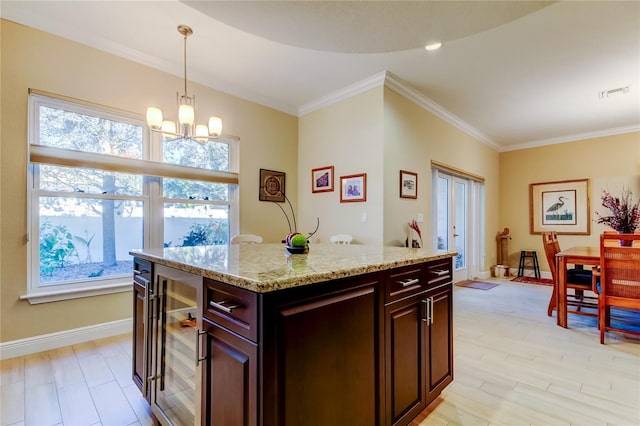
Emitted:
<point x="561" y="206"/>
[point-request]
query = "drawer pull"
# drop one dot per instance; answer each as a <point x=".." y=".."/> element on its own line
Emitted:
<point x="136" y="272"/>
<point x="221" y="305"/>
<point x="408" y="282"/>
<point x="441" y="272"/>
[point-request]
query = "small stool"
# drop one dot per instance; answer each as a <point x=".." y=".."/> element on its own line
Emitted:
<point x="532" y="264"/>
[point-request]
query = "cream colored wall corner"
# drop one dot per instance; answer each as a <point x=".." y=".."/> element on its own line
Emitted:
<point x="34" y="59"/>
<point x="609" y="162"/>
<point x="413" y="138"/>
<point x="348" y="136"/>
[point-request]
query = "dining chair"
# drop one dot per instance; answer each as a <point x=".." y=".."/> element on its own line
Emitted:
<point x="341" y="239"/>
<point x="246" y="239"/>
<point x="617" y="280"/>
<point x="578" y="279"/>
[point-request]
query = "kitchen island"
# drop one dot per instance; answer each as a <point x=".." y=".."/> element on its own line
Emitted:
<point x="253" y="335"/>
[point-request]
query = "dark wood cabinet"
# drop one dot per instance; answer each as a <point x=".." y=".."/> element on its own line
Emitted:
<point x="372" y="349"/>
<point x="142" y="287"/>
<point x="418" y="340"/>
<point x="405" y="359"/>
<point x="439" y="329"/>
<point x="322" y="354"/>
<point x="230" y="378"/>
<point x="439" y="342"/>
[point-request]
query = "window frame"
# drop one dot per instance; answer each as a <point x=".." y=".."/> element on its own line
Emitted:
<point x="150" y="167"/>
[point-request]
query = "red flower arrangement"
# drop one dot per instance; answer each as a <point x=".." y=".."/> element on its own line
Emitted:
<point x="625" y="214"/>
<point x="414" y="225"/>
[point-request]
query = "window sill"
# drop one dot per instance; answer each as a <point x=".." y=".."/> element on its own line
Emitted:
<point x="55" y="295"/>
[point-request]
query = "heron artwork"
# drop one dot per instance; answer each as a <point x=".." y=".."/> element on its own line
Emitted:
<point x="556" y="206"/>
<point x="558" y="211"/>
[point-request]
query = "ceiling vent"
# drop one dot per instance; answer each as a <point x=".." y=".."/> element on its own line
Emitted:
<point x="604" y="94"/>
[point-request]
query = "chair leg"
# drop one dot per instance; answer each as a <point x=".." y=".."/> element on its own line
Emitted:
<point x="552" y="302"/>
<point x="579" y="295"/>
<point x="601" y="319"/>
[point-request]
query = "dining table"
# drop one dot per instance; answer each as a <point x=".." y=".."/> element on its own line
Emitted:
<point x="575" y="256"/>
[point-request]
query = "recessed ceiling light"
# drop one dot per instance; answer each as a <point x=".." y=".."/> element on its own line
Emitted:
<point x="603" y="94"/>
<point x="433" y="46"/>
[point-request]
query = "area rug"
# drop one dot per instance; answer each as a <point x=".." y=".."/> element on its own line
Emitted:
<point x="478" y="285"/>
<point x="533" y="280"/>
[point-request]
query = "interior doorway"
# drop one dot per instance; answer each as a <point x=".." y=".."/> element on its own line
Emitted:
<point x="458" y="220"/>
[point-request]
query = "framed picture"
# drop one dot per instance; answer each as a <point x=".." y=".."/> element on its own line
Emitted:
<point x="560" y="206"/>
<point x="271" y="186"/>
<point x="322" y="179"/>
<point x="408" y="184"/>
<point x="353" y="188"/>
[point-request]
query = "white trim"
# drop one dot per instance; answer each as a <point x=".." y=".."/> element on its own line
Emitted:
<point x="60" y="339"/>
<point x="44" y="294"/>
<point x="74" y="158"/>
<point x="572" y="138"/>
<point x="394" y="83"/>
<point x="375" y="80"/>
<point x="385" y="78"/>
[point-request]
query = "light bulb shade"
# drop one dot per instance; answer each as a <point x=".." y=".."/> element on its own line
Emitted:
<point x="169" y="127"/>
<point x="154" y="118"/>
<point x="215" y="126"/>
<point x="186" y="115"/>
<point x="201" y="131"/>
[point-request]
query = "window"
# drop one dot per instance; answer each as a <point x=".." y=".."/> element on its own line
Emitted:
<point x="98" y="189"/>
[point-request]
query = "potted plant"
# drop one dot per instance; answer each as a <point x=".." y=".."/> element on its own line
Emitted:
<point x="625" y="214"/>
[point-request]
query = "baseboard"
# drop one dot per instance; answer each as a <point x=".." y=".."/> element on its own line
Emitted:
<point x="483" y="275"/>
<point x="60" y="339"/>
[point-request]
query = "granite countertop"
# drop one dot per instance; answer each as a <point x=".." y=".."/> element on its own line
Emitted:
<point x="268" y="267"/>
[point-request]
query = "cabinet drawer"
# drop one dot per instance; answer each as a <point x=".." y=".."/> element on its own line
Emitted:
<point x="404" y="282"/>
<point x="231" y="307"/>
<point x="439" y="272"/>
<point x="141" y="272"/>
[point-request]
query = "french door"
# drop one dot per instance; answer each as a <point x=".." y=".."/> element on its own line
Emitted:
<point x="458" y="221"/>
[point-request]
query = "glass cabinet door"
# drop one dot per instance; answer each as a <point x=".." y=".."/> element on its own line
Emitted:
<point x="176" y="387"/>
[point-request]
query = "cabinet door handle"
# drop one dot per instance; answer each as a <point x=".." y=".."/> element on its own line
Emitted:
<point x="425" y="318"/>
<point x="222" y="305"/>
<point x="145" y="336"/>
<point x="198" y="358"/>
<point x="408" y="282"/>
<point x="431" y="316"/>
<point x="440" y="272"/>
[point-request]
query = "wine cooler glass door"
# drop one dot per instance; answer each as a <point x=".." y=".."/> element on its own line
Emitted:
<point x="176" y="385"/>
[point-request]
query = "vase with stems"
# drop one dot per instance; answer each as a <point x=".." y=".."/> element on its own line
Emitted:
<point x="624" y="214"/>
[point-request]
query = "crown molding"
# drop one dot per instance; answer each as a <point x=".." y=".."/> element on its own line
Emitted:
<point x="394" y="83"/>
<point x="572" y="138"/>
<point x="374" y="81"/>
<point x="387" y="79"/>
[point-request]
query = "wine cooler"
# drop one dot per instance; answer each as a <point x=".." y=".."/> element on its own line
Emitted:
<point x="175" y="378"/>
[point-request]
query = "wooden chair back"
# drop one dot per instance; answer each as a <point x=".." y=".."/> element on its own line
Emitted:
<point x="578" y="280"/>
<point x="619" y="277"/>
<point x="551" y="248"/>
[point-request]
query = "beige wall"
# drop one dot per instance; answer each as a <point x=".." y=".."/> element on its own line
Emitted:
<point x="33" y="59"/>
<point x="381" y="132"/>
<point x="346" y="135"/>
<point x="414" y="138"/>
<point x="609" y="162"/>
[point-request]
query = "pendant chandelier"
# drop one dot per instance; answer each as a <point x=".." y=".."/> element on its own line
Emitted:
<point x="185" y="126"/>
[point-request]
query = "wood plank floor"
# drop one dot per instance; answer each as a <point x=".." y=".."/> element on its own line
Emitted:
<point x="513" y="366"/>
